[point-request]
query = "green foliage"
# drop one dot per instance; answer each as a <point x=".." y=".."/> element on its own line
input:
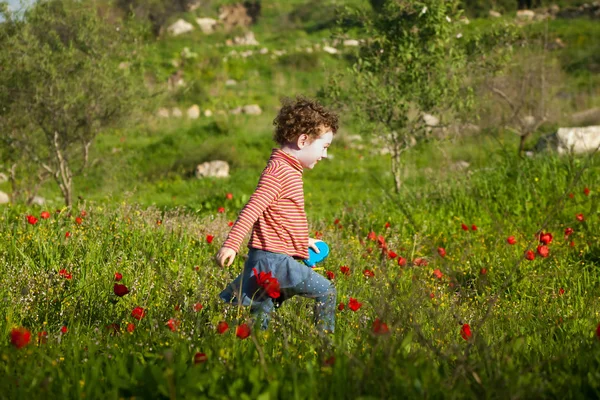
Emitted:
<point x="62" y="84"/>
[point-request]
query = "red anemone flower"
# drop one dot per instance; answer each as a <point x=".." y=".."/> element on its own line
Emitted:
<point x="568" y="232"/>
<point x="530" y="255"/>
<point x="65" y="274"/>
<point x="138" y="313"/>
<point x="209" y="239"/>
<point x="341" y="306"/>
<point x="221" y="210"/>
<point x="67" y="234"/>
<point x="438" y="274"/>
<point x="511" y="240"/>
<point x="368" y="273"/>
<point x="130" y="327"/>
<point x="78" y="220"/>
<point x="379" y="327"/>
<point x="387" y="225"/>
<point x="120" y="290"/>
<point x="330" y="275"/>
<point x="229" y="196"/>
<point x="372" y="236"/>
<point x="353" y="304"/>
<point x="200" y="358"/>
<point x="473" y="227"/>
<point x="465" y="332"/>
<point x="45" y="215"/>
<point x="173" y="324"/>
<point x="222" y="327"/>
<point x="543" y="251"/>
<point x="401" y="261"/>
<point x="483" y="271"/>
<point x="198" y="307"/>
<point x="464" y="227"/>
<point x="242" y="331"/>
<point x="420" y="262"/>
<point x="546" y="237"/>
<point x="268" y="282"/>
<point x="345" y="270"/>
<point x="561" y="291"/>
<point x="392" y="254"/>
<point x="32" y="220"/>
<point x="118" y="276"/>
<point x="20" y="337"/>
<point x="580" y="217"/>
<point x="586" y="191"/>
<point x="441" y="251"/>
<point x="64" y="329"/>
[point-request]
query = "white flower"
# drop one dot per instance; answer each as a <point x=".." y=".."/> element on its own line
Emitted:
<point x="448" y="19"/>
<point x="458" y="36"/>
<point x="424" y="10"/>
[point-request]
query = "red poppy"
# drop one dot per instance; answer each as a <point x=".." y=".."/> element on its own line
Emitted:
<point x="381" y="242"/>
<point x="242" y="331"/>
<point x="483" y="271"/>
<point x="372" y="236"/>
<point x="511" y="240"/>
<point x="572" y="244"/>
<point x="431" y="295"/>
<point x="543" y="251"/>
<point x="387" y="225"/>
<point x="473" y="227"/>
<point x="20" y="337"/>
<point x="571" y="195"/>
<point x="392" y="254"/>
<point x="229" y="196"/>
<point x="330" y="275"/>
<point x="337" y="221"/>
<point x="379" y="327"/>
<point x="268" y="282"/>
<point x="561" y="291"/>
<point x="465" y="332"/>
<point x="120" y="290"/>
<point x="341" y="306"/>
<point x="546" y="237"/>
<point x="438" y="274"/>
<point x="78" y="220"/>
<point x="130" y="327"/>
<point x="173" y="324"/>
<point x="118" y="276"/>
<point x="221" y="210"/>
<point x="530" y="255"/>
<point x="65" y="274"/>
<point x="67" y="234"/>
<point x="580" y="217"/>
<point x="209" y="239"/>
<point x="230" y="223"/>
<point x="83" y="213"/>
<point x="353" y="304"/>
<point x="32" y="220"/>
<point x="318" y="235"/>
<point x="441" y="251"/>
<point x="586" y="191"/>
<point x="45" y="215"/>
<point x="198" y="307"/>
<point x="420" y="262"/>
<point x="138" y="313"/>
<point x="222" y="327"/>
<point x="401" y="261"/>
<point x="368" y="273"/>
<point x="345" y="270"/>
<point x="464" y="227"/>
<point x="200" y="358"/>
<point x="64" y="329"/>
<point x="568" y="232"/>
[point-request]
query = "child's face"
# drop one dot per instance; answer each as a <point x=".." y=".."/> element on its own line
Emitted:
<point x="312" y="152"/>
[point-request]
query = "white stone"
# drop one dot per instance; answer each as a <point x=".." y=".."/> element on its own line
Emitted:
<point x="351" y="42"/>
<point x="430" y="120"/>
<point x="208" y="113"/>
<point x="230" y="82"/>
<point x="252" y="109"/>
<point x="176" y="112"/>
<point x="4" y="198"/>
<point x="216" y="169"/>
<point x="247" y="40"/>
<point x="236" y="111"/>
<point x="526" y="15"/>
<point x="163" y="112"/>
<point x="264" y="50"/>
<point x="180" y="26"/>
<point x="494" y="14"/>
<point x="207" y="25"/>
<point x="193" y="112"/>
<point x="37" y="200"/>
<point x="3" y="177"/>
<point x="330" y="50"/>
<point x="578" y="140"/>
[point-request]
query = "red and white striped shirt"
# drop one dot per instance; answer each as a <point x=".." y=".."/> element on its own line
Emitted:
<point x="275" y="210"/>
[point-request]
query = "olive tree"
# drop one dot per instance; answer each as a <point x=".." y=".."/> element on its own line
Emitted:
<point x="67" y="73"/>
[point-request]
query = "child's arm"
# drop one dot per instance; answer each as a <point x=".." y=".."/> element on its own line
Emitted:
<point x="266" y="192"/>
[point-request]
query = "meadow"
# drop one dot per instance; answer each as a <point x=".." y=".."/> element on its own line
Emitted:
<point x="470" y="283"/>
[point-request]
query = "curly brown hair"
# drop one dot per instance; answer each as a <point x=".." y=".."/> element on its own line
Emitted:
<point x="300" y="116"/>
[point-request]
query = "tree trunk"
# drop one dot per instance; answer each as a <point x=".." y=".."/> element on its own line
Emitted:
<point x="522" y="144"/>
<point x="63" y="175"/>
<point x="397" y="168"/>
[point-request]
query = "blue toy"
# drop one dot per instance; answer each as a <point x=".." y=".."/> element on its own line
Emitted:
<point x="313" y="257"/>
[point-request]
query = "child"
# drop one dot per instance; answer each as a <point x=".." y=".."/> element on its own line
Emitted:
<point x="275" y="212"/>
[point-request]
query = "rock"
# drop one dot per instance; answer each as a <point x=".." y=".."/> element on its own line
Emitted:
<point x="163" y="112"/>
<point x="39" y="201"/>
<point x="264" y="50"/>
<point x="238" y="15"/>
<point x="330" y="50"/>
<point x="176" y="112"/>
<point x="215" y="169"/>
<point x="525" y="15"/>
<point x="3" y="177"/>
<point x="430" y="120"/>
<point x="193" y="112"/>
<point x="230" y="82"/>
<point x="554" y="9"/>
<point x="252" y="109"/>
<point x="351" y="42"/>
<point x="4" y="198"/>
<point x="247" y="40"/>
<point x="208" y="113"/>
<point x="236" y="111"/>
<point x="460" y="165"/>
<point x="576" y="140"/>
<point x="586" y="117"/>
<point x="207" y="25"/>
<point x="494" y="14"/>
<point x="179" y="27"/>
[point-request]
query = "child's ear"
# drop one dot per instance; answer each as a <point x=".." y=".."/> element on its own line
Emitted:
<point x="303" y="140"/>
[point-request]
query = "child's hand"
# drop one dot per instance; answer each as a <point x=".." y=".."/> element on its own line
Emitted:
<point x="225" y="254"/>
<point x="312" y="244"/>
